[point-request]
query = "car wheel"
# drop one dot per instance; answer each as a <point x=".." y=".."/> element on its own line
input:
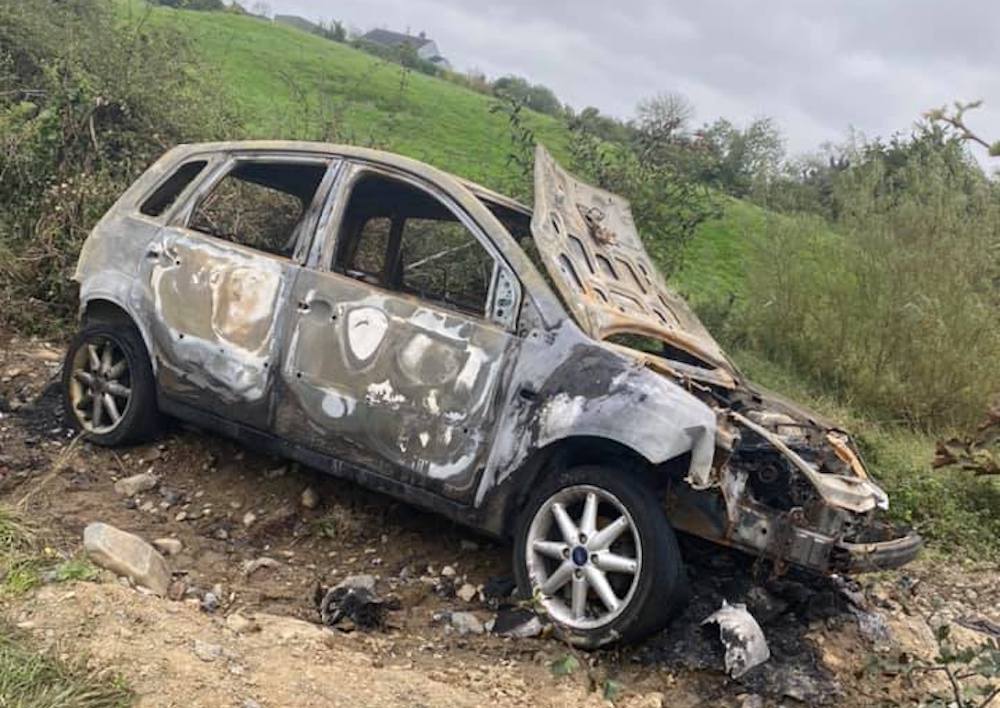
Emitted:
<point x="594" y="548"/>
<point x="108" y="387"/>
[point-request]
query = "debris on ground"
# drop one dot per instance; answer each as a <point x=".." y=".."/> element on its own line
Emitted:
<point x="353" y="599"/>
<point x="517" y="623"/>
<point x="742" y="637"/>
<point x="468" y="592"/>
<point x="127" y="555"/>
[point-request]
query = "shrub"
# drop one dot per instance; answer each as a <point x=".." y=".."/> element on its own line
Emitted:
<point x="87" y="101"/>
<point x="897" y="307"/>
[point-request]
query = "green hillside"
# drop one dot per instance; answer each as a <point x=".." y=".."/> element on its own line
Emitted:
<point x="287" y="83"/>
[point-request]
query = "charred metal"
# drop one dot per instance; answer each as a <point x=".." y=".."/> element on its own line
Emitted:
<point x="380" y="319"/>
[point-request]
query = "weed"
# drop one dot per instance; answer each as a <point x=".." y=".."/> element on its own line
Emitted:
<point x="30" y="678"/>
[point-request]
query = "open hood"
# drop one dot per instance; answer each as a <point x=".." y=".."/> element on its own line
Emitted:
<point x="591" y="248"/>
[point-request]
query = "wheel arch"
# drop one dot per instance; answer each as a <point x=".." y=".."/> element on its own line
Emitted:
<point x="103" y="307"/>
<point x="509" y="496"/>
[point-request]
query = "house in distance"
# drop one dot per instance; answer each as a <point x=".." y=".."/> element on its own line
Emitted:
<point x="425" y="47"/>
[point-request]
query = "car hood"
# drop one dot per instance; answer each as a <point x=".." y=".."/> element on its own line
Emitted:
<point x="590" y="246"/>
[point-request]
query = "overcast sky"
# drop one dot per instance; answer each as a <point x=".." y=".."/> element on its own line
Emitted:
<point x="817" y="67"/>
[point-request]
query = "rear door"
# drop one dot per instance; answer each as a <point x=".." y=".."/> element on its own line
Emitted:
<point x="218" y="275"/>
<point x="402" y="336"/>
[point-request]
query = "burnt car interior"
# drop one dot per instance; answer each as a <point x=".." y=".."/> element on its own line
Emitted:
<point x="260" y="205"/>
<point x="396" y="236"/>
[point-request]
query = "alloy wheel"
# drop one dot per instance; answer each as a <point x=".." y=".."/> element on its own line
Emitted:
<point x="100" y="385"/>
<point x="583" y="556"/>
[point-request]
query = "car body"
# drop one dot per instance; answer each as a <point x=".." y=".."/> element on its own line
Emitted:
<point x="379" y="319"/>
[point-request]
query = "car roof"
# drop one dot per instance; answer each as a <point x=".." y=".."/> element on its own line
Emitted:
<point x="384" y="157"/>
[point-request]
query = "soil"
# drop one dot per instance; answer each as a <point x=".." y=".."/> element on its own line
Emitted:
<point x="262" y="645"/>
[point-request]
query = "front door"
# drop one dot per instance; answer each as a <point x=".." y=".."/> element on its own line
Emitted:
<point x="401" y="341"/>
<point x="218" y="276"/>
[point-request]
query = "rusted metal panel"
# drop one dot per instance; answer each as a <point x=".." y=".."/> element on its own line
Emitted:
<point x="592" y="250"/>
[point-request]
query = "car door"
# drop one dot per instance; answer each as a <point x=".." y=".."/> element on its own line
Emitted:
<point x="402" y="337"/>
<point x="217" y="275"/>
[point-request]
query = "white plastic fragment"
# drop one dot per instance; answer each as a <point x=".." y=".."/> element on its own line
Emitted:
<point x="742" y="637"/>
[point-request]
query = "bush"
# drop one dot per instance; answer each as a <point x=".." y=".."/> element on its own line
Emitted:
<point x="87" y="101"/>
<point x="897" y="307"/>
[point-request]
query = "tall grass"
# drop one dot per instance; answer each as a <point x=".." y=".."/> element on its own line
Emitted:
<point x="31" y="678"/>
<point x="897" y="307"/>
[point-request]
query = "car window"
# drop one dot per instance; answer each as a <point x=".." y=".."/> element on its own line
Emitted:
<point x="441" y="261"/>
<point x="260" y="205"/>
<point x="373" y="243"/>
<point x="400" y="237"/>
<point x="166" y="194"/>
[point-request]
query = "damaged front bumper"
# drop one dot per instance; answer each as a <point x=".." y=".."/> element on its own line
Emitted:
<point x="788" y="537"/>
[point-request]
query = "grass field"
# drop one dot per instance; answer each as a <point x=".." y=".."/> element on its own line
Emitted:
<point x="290" y="84"/>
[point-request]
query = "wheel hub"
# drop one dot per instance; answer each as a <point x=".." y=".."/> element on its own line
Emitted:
<point x="580" y="556"/>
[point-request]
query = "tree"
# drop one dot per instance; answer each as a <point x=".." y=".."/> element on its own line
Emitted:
<point x="534" y="96"/>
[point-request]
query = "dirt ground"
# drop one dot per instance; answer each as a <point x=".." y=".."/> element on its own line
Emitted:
<point x="262" y="645"/>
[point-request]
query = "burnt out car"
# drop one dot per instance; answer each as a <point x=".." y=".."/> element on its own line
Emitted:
<point x="526" y="372"/>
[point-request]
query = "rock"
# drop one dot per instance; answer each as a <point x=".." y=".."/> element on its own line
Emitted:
<point x="136" y="484"/>
<point x="310" y="498"/>
<point x="221" y="534"/>
<point x="209" y="602"/>
<point x="181" y="516"/>
<point x="467" y="592"/>
<point x="448" y="572"/>
<point x="126" y="554"/>
<point x="248" y="519"/>
<point x="251" y="567"/>
<point x="206" y="651"/>
<point x="168" y="546"/>
<point x="465" y="623"/>
<point x="240" y="624"/>
<point x="250" y="703"/>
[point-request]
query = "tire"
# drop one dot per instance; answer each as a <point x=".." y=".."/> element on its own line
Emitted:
<point x="112" y="357"/>
<point x="647" y="597"/>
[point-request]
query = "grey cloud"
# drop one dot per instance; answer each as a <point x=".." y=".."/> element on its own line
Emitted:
<point x="817" y="67"/>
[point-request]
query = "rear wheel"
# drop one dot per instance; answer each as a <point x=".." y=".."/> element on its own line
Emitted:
<point x="108" y="387"/>
<point x="594" y="547"/>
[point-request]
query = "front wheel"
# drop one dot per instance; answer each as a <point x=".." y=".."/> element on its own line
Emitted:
<point x="108" y="387"/>
<point x="594" y="547"/>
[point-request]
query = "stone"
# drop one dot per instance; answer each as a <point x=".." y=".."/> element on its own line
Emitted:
<point x="168" y="546"/>
<point x="448" y="571"/>
<point x="249" y="518"/>
<point x="240" y="624"/>
<point x="517" y="623"/>
<point x="128" y="555"/>
<point x="252" y="566"/>
<point x="467" y="592"/>
<point x="206" y="651"/>
<point x="136" y="484"/>
<point x="209" y="602"/>
<point x="310" y="498"/>
<point x="465" y="623"/>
